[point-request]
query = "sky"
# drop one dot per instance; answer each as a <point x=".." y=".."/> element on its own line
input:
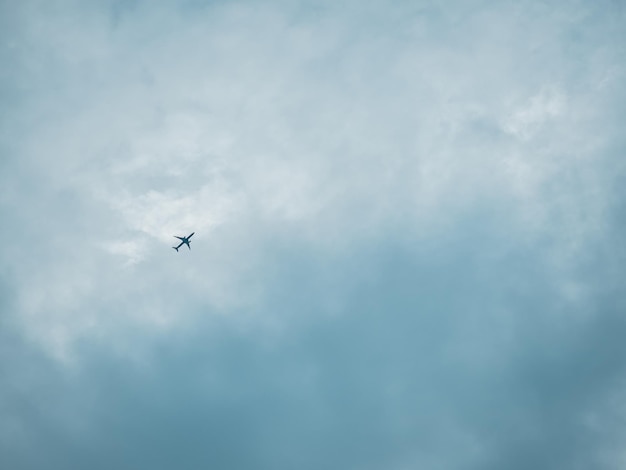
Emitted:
<point x="409" y="225"/>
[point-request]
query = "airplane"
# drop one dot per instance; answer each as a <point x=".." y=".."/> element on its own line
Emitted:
<point x="183" y="241"/>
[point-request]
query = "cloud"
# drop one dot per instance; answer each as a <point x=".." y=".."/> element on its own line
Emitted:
<point x="528" y="119"/>
<point x="408" y="235"/>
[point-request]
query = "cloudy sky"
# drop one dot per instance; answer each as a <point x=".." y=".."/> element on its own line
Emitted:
<point x="409" y="249"/>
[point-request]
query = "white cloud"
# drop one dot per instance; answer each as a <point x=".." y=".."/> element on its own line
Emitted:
<point x="225" y="121"/>
<point x="531" y="117"/>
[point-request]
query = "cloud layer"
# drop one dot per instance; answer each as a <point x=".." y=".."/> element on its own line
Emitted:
<point x="409" y="235"/>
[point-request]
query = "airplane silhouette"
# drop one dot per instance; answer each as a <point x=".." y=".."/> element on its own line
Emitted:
<point x="184" y="241"/>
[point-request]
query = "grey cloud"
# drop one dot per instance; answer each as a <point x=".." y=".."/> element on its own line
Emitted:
<point x="421" y="360"/>
<point x="409" y="235"/>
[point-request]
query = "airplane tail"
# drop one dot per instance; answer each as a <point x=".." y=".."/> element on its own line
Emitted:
<point x="176" y="248"/>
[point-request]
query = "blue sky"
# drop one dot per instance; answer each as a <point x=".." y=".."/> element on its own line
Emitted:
<point x="409" y="247"/>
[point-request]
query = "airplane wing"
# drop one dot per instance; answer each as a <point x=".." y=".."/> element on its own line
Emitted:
<point x="180" y="238"/>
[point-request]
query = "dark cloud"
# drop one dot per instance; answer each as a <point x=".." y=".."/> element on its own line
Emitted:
<point x="461" y="351"/>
